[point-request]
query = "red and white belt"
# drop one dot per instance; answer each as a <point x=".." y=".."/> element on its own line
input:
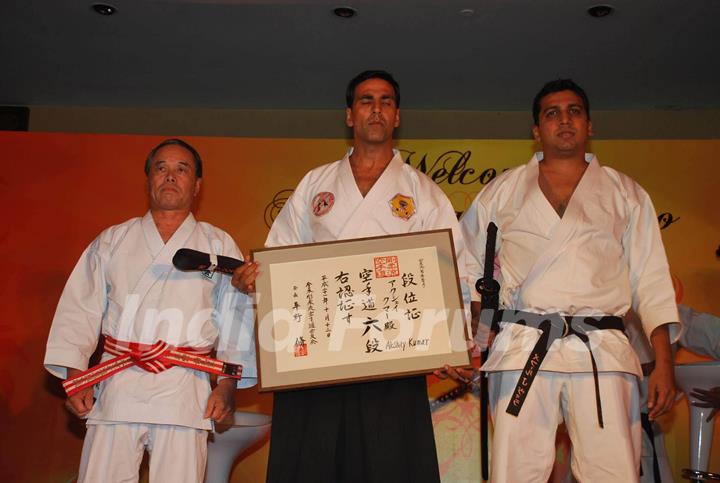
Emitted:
<point x="155" y="358"/>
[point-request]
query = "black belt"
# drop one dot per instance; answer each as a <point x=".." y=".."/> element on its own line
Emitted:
<point x="647" y="427"/>
<point x="554" y="326"/>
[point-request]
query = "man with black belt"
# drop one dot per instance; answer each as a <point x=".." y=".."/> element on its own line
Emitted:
<point x="578" y="244"/>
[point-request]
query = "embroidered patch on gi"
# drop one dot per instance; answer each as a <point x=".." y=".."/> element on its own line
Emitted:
<point x="208" y="274"/>
<point x="402" y="206"/>
<point x="322" y="203"/>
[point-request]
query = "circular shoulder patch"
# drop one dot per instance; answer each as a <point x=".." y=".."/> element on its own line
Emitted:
<point x="322" y="203"/>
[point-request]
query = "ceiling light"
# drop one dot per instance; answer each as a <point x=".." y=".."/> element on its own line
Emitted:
<point x="467" y="12"/>
<point x="344" y="12"/>
<point x="104" y="9"/>
<point x="600" y="11"/>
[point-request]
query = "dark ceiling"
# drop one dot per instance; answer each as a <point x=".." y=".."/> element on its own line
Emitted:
<point x="244" y="54"/>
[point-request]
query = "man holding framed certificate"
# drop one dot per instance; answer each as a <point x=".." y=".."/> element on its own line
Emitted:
<point x="368" y="431"/>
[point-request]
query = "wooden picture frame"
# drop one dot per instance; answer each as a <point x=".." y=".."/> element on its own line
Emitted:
<point x="358" y="310"/>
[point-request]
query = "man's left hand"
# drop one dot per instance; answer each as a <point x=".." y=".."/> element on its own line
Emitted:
<point x="455" y="373"/>
<point x="221" y="403"/>
<point x="661" y="389"/>
<point x="661" y="384"/>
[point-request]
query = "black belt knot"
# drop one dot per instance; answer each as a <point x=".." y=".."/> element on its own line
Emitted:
<point x="554" y="326"/>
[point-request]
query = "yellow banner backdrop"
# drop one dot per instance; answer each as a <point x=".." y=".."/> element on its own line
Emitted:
<point x="60" y="190"/>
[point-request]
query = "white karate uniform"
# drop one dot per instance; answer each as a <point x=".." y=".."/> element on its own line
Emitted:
<point x="355" y="216"/>
<point x="602" y="257"/>
<point x="377" y="431"/>
<point x="125" y="286"/>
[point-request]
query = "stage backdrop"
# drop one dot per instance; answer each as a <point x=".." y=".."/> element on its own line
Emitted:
<point x="58" y="191"/>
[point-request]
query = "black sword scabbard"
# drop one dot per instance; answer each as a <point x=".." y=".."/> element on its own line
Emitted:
<point x="489" y="290"/>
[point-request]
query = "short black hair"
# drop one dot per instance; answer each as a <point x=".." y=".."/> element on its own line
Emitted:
<point x="367" y="75"/>
<point x="175" y="142"/>
<point x="558" y="85"/>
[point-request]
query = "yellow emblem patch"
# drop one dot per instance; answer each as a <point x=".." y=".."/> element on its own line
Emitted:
<point x="402" y="206"/>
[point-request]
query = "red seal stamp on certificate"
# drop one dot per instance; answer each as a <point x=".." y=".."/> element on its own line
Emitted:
<point x="301" y="348"/>
<point x="386" y="267"/>
<point x="322" y="203"/>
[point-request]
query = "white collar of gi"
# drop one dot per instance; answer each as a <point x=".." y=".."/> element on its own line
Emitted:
<point x="396" y="153"/>
<point x="539" y="156"/>
<point x="152" y="235"/>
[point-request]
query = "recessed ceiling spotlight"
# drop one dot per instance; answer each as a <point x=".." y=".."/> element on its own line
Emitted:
<point x="104" y="9"/>
<point x="344" y="12"/>
<point x="600" y="11"/>
<point x="467" y="12"/>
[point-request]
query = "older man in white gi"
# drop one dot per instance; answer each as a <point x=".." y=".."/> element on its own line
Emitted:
<point x="365" y="432"/>
<point x="579" y="244"/>
<point x="125" y="288"/>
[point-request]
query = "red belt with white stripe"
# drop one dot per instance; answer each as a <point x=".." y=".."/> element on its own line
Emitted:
<point x="155" y="358"/>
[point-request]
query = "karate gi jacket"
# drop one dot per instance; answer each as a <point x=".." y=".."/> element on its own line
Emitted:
<point x="125" y="286"/>
<point x="602" y="257"/>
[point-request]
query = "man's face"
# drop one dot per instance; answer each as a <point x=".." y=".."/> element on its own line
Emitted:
<point x="374" y="114"/>
<point x="563" y="125"/>
<point x="172" y="183"/>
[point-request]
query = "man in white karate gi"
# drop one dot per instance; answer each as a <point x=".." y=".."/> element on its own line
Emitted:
<point x="578" y="245"/>
<point x="374" y="431"/>
<point x="125" y="287"/>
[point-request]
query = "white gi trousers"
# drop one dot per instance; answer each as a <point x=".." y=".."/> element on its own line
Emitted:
<point x="523" y="447"/>
<point x="112" y="453"/>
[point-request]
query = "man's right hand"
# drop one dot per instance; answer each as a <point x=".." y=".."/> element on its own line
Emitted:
<point x="81" y="402"/>
<point x="244" y="277"/>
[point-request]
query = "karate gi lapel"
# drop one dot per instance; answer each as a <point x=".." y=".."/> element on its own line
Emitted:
<point x="160" y="267"/>
<point x="378" y="197"/>
<point x="351" y="197"/>
<point x="566" y="227"/>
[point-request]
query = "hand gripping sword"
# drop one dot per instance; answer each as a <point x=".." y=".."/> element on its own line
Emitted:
<point x="489" y="289"/>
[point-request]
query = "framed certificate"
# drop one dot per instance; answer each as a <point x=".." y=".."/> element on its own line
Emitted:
<point x="356" y="310"/>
